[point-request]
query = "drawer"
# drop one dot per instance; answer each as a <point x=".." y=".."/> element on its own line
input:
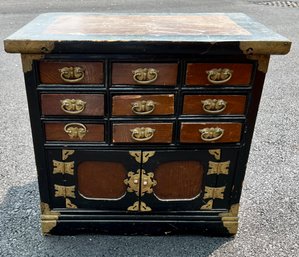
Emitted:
<point x="207" y="74"/>
<point x="72" y="104"/>
<point x="200" y="132"/>
<point x="161" y="74"/>
<point x="71" y="72"/>
<point x="142" y="132"/>
<point x="214" y="104"/>
<point x="140" y="105"/>
<point x="74" y="131"/>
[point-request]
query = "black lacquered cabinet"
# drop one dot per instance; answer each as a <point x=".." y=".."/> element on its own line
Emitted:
<point x="143" y="131"/>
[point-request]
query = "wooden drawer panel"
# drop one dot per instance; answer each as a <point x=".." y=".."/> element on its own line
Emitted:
<point x="214" y="104"/>
<point x="71" y="72"/>
<point x="141" y="105"/>
<point x="72" y="131"/>
<point x="239" y="74"/>
<point x="190" y="132"/>
<point x="72" y="104"/>
<point x="165" y="74"/>
<point x="124" y="133"/>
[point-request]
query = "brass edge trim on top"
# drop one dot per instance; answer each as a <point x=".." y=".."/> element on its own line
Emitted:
<point x="28" y="47"/>
<point x="265" y="48"/>
<point x="48" y="218"/>
<point x="27" y="61"/>
<point x="230" y="219"/>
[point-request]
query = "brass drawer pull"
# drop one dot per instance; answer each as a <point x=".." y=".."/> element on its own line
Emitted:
<point x="142" y="134"/>
<point x="211" y="134"/>
<point x="72" y="74"/>
<point x="145" y="75"/>
<point x="72" y="106"/>
<point x="219" y="76"/>
<point x="213" y="105"/>
<point x="75" y="130"/>
<point x="143" y="107"/>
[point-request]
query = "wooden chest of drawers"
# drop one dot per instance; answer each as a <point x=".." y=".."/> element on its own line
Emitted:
<point x="143" y="123"/>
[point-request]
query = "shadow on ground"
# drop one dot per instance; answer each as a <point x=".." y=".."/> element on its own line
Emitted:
<point x="21" y="236"/>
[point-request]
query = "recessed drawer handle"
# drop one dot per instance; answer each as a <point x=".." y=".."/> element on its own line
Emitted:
<point x="213" y="105"/>
<point x="145" y="75"/>
<point x="72" y="74"/>
<point x="219" y="76"/>
<point x="211" y="134"/>
<point x="142" y="134"/>
<point x="75" y="130"/>
<point x="143" y="107"/>
<point x="72" y="106"/>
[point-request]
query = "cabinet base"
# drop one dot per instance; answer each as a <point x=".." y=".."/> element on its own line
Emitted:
<point x="140" y="227"/>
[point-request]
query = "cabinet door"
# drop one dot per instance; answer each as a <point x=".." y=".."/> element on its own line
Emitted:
<point x="92" y="179"/>
<point x="187" y="180"/>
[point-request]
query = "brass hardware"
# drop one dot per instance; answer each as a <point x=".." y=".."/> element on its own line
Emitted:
<point x="136" y="155"/>
<point x="66" y="153"/>
<point x="143" y="107"/>
<point x="146" y="155"/>
<point x="144" y="207"/>
<point x="262" y="60"/>
<point x="48" y="218"/>
<point x="72" y="74"/>
<point x="69" y="204"/>
<point x="132" y="182"/>
<point x="211" y="134"/>
<point x="230" y="219"/>
<point x="64" y="191"/>
<point x="142" y="134"/>
<point x="214" y="192"/>
<point x="218" y="168"/>
<point x="208" y="205"/>
<point x="72" y="106"/>
<point x="216" y="153"/>
<point x="142" y="158"/>
<point x="139" y="206"/>
<point x="75" y="130"/>
<point x="134" y="207"/>
<point x="219" y="76"/>
<point x="63" y="167"/>
<point x="213" y="106"/>
<point x="145" y="75"/>
<point x="148" y="182"/>
<point x="28" y="59"/>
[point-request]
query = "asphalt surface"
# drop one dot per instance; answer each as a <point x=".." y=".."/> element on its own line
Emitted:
<point x="269" y="212"/>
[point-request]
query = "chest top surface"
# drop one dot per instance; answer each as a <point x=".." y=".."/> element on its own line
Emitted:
<point x="98" y="28"/>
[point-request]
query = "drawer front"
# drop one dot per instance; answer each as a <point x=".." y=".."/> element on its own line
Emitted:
<point x="200" y="132"/>
<point x="207" y="74"/>
<point x="141" y="105"/>
<point x="74" y="131"/>
<point x="72" y="104"/>
<point x="71" y="72"/>
<point x="142" y="133"/>
<point x="214" y="104"/>
<point x="161" y="74"/>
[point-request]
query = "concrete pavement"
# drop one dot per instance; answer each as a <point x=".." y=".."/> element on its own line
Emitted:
<point x="269" y="213"/>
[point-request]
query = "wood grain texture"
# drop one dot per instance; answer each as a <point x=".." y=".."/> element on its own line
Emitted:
<point x="55" y="132"/>
<point x="196" y="73"/>
<point x="190" y="132"/>
<point x="193" y="105"/>
<point x="122" y="104"/>
<point x="51" y="105"/>
<point x="122" y="133"/>
<point x="99" y="179"/>
<point x="178" y="180"/>
<point x="122" y="73"/>
<point x="50" y="74"/>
